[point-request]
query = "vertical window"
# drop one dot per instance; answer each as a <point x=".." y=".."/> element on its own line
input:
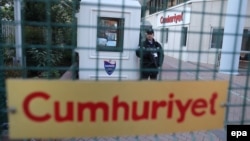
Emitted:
<point x="246" y="40"/>
<point x="160" y="5"/>
<point x="156" y="5"/>
<point x="245" y="46"/>
<point x="181" y="1"/>
<point x="184" y="36"/>
<point x="164" y="33"/>
<point x="217" y="38"/>
<point x="152" y="6"/>
<point x="110" y="34"/>
<point x="170" y="3"/>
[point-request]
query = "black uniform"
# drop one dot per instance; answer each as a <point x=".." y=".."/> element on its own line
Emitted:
<point x="151" y="58"/>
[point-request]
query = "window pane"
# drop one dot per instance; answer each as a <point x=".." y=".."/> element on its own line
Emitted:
<point x="166" y="35"/>
<point x="110" y="34"/>
<point x="184" y="36"/>
<point x="246" y="40"/>
<point x="217" y="38"/>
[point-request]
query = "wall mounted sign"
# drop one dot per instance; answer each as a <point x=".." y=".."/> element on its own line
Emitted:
<point x="109" y="66"/>
<point x="174" y="17"/>
<point x="109" y="108"/>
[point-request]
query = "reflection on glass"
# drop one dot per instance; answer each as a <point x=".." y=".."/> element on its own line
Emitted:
<point x="109" y="33"/>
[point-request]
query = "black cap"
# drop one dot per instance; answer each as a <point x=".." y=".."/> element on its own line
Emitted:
<point x="150" y="31"/>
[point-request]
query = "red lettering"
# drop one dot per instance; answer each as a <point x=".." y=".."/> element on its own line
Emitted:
<point x="129" y="111"/>
<point x="69" y="112"/>
<point x="161" y="20"/>
<point x="145" y="111"/>
<point x="182" y="109"/>
<point x="180" y="17"/>
<point x="116" y="106"/>
<point x="155" y="107"/>
<point x="170" y="106"/>
<point x="93" y="108"/>
<point x="199" y="104"/>
<point x="26" y="106"/>
<point x="212" y="103"/>
<point x="171" y="19"/>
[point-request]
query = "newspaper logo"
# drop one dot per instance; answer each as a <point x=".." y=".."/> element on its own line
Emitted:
<point x="109" y="66"/>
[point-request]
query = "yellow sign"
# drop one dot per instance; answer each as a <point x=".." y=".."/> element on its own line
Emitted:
<point x="60" y="109"/>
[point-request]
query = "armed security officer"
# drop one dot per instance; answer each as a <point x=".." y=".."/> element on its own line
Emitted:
<point x="151" y="56"/>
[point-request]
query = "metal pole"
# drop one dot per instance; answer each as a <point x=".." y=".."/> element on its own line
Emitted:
<point x="232" y="39"/>
<point x="18" y="31"/>
<point x="3" y="114"/>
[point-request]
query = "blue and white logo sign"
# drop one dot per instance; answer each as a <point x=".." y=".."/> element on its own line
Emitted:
<point x="109" y="66"/>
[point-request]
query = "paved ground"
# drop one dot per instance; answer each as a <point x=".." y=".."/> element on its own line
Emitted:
<point x="174" y="69"/>
<point x="238" y="89"/>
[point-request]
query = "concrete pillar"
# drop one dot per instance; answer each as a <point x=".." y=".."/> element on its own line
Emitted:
<point x="232" y="40"/>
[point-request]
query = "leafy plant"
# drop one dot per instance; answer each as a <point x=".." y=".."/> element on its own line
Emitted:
<point x="8" y="55"/>
<point x="50" y="74"/>
<point x="7" y="10"/>
<point x="44" y="57"/>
